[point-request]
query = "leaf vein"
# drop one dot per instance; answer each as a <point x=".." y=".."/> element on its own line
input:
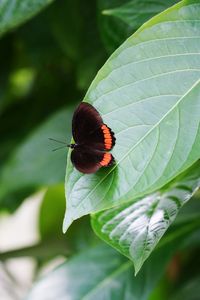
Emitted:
<point x="151" y="59"/>
<point x="146" y="79"/>
<point x="143" y="100"/>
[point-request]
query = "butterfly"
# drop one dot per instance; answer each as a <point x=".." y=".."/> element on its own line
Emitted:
<point x="93" y="139"/>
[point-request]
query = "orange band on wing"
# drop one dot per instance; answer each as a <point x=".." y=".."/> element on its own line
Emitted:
<point x="107" y="137"/>
<point x="106" y="159"/>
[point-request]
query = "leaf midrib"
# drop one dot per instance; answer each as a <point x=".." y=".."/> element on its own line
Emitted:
<point x="144" y="249"/>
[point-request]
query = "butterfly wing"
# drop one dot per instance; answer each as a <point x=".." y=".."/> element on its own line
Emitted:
<point x="102" y="138"/>
<point x="88" y="160"/>
<point x="88" y="128"/>
<point x="85" y="121"/>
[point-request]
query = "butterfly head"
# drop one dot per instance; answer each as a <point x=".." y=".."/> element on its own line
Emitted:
<point x="72" y="146"/>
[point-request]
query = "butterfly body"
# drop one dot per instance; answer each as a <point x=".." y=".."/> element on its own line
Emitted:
<point x="93" y="139"/>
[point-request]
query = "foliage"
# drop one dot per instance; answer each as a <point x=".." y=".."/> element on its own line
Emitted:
<point x="13" y="13"/>
<point x="113" y="280"/>
<point x="148" y="92"/>
<point x="119" y="19"/>
<point x="136" y="228"/>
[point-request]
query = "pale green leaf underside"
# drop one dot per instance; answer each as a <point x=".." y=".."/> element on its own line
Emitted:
<point x="148" y="92"/>
<point x="15" y="12"/>
<point x="135" y="229"/>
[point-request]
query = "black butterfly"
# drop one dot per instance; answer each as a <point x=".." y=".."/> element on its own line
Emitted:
<point x="93" y="139"/>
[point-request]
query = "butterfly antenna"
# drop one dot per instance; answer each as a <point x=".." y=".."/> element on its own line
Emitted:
<point x="61" y="147"/>
<point x="61" y="142"/>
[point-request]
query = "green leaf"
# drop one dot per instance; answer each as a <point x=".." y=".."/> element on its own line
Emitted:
<point x="34" y="164"/>
<point x="53" y="206"/>
<point x="113" y="31"/>
<point x="134" y="13"/>
<point x="148" y="92"/>
<point x="135" y="229"/>
<point x="119" y="19"/>
<point x="100" y="273"/>
<point x="15" y="12"/>
<point x="186" y="225"/>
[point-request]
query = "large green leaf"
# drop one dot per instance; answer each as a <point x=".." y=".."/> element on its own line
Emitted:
<point x="135" y="229"/>
<point x="148" y="92"/>
<point x="100" y="273"/>
<point x="34" y="164"/>
<point x="16" y="12"/>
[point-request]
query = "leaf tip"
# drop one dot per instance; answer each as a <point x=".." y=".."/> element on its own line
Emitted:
<point x="137" y="267"/>
<point x="136" y="271"/>
<point x="66" y="223"/>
